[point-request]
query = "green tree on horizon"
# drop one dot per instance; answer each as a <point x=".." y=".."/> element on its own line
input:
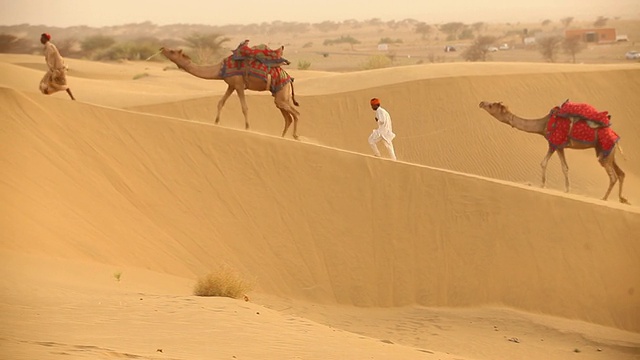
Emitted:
<point x="206" y="46"/>
<point x="549" y="47"/>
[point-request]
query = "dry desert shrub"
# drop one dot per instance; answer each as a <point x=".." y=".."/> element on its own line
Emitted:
<point x="304" y="65"/>
<point x="222" y="282"/>
<point x="140" y="76"/>
<point x="377" y="62"/>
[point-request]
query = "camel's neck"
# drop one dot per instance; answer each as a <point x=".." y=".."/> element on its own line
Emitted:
<point x="211" y="72"/>
<point x="535" y="126"/>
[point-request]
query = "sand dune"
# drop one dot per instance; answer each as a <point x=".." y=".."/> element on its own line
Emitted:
<point x="114" y="85"/>
<point x="137" y="318"/>
<point x="440" y="255"/>
<point x="439" y="124"/>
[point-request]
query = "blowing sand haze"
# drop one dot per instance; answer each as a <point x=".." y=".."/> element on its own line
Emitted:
<point x="453" y="252"/>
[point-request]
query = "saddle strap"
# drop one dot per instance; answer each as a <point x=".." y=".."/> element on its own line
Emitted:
<point x="268" y="81"/>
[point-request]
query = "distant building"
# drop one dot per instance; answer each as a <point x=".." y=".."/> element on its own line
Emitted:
<point x="383" y="47"/>
<point x="622" y="38"/>
<point x="598" y="36"/>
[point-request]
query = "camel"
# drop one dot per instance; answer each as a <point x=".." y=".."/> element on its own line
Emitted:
<point x="541" y="127"/>
<point x="238" y="83"/>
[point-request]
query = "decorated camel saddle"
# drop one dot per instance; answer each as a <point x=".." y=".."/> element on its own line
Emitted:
<point x="258" y="61"/>
<point x="582" y="123"/>
<point x="261" y="53"/>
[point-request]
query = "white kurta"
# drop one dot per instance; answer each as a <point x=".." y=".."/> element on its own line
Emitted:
<point x="385" y="129"/>
<point x="384" y="132"/>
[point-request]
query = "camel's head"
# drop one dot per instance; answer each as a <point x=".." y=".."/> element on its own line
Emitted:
<point x="176" y="56"/>
<point x="496" y="109"/>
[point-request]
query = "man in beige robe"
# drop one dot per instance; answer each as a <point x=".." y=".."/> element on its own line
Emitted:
<point x="56" y="77"/>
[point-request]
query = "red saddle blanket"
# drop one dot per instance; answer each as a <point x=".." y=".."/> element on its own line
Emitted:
<point x="583" y="111"/>
<point x="589" y="127"/>
<point x="261" y="52"/>
<point x="279" y="77"/>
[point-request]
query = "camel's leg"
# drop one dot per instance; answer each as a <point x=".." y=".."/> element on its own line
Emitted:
<point x="607" y="163"/>
<point x="292" y="113"/>
<point x="287" y="121"/>
<point x="223" y="101"/>
<point x="621" y="176"/>
<point x="295" y="124"/>
<point x="565" y="169"/>
<point x="245" y="108"/>
<point x="544" y="163"/>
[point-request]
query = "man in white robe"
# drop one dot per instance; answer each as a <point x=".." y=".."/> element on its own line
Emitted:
<point x="384" y="131"/>
<point x="56" y="77"/>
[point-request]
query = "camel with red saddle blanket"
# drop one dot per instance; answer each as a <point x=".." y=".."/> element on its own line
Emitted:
<point x="573" y="126"/>
<point x="255" y="68"/>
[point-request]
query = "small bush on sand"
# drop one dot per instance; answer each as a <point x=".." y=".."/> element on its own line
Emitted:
<point x="304" y="65"/>
<point x="140" y="76"/>
<point x="222" y="282"/>
<point x="377" y="62"/>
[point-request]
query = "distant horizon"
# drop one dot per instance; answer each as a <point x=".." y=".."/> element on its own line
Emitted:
<point x="93" y="13"/>
<point x="303" y="22"/>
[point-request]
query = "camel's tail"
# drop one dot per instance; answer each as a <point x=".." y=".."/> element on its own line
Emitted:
<point x="293" y="95"/>
<point x="620" y="148"/>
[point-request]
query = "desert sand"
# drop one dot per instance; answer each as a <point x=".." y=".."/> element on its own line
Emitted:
<point x="113" y="205"/>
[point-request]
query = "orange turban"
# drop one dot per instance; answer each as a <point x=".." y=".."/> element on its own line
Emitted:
<point x="375" y="101"/>
<point x="48" y="36"/>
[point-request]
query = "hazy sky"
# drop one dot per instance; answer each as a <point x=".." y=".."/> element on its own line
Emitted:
<point x="98" y="13"/>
